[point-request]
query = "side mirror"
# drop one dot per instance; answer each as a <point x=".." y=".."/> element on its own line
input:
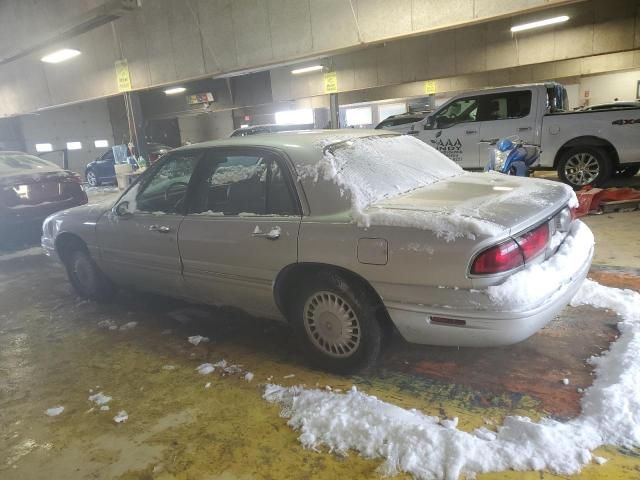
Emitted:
<point x="122" y="209"/>
<point x="429" y="123"/>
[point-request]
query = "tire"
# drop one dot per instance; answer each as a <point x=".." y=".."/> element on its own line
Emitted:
<point x="581" y="166"/>
<point x="87" y="279"/>
<point x="328" y="297"/>
<point x="92" y="178"/>
<point x="628" y="172"/>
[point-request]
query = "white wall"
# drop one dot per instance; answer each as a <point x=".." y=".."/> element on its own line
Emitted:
<point x="209" y="126"/>
<point x="605" y="88"/>
<point x="76" y="123"/>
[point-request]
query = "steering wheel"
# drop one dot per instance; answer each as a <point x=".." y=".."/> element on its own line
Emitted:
<point x="168" y="191"/>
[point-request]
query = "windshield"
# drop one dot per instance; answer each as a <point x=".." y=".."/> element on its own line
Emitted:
<point x="379" y="167"/>
<point x="16" y="162"/>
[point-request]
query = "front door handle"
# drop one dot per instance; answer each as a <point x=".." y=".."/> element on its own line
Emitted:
<point x="470" y="132"/>
<point x="159" y="228"/>
<point x="524" y="129"/>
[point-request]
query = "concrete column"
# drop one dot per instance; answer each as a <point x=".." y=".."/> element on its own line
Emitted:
<point x="334" y="110"/>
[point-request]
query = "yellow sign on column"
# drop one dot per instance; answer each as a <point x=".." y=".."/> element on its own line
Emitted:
<point x="330" y="82"/>
<point x="122" y="75"/>
<point x="430" y="87"/>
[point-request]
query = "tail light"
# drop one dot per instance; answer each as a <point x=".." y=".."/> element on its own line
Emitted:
<point x="512" y="253"/>
<point x="533" y="242"/>
<point x="501" y="258"/>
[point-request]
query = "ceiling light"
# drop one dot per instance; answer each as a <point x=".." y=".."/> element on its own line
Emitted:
<point x="74" y="145"/>
<point x="313" y="68"/>
<point x="101" y="143"/>
<point x="60" y="55"/>
<point x="44" y="147"/>
<point x="174" y="90"/>
<point x="540" y="23"/>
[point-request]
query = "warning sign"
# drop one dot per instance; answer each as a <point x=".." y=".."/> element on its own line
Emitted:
<point x="430" y="87"/>
<point x="122" y="75"/>
<point x="330" y="82"/>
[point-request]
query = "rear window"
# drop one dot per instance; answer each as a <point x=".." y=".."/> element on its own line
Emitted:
<point x="14" y="162"/>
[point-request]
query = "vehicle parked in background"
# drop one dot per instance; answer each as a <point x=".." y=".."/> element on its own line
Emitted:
<point x="103" y="169"/>
<point x="345" y="234"/>
<point x="268" y="128"/>
<point x="401" y="123"/>
<point x="585" y="147"/>
<point x="31" y="189"/>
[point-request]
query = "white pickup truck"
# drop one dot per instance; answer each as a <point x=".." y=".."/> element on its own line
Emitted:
<point x="586" y="147"/>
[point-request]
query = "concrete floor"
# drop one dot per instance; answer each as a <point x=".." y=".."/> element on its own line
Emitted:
<point x="52" y="352"/>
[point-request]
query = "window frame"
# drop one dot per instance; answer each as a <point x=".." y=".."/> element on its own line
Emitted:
<point x="279" y="157"/>
<point x="483" y="99"/>
<point x="448" y="105"/>
<point x="151" y="172"/>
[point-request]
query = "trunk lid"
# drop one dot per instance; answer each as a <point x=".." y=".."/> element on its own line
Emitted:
<point x="30" y="189"/>
<point x="510" y="204"/>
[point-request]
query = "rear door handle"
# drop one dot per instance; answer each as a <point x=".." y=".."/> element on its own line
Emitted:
<point x="524" y="129"/>
<point x="272" y="234"/>
<point x="471" y="132"/>
<point x="159" y="228"/>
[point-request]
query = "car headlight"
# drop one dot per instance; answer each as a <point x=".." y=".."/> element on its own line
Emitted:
<point x="501" y="158"/>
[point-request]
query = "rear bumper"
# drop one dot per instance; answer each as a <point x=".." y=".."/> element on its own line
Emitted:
<point x="36" y="214"/>
<point x="484" y="327"/>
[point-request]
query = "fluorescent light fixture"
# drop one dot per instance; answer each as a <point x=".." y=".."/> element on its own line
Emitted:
<point x="244" y="125"/>
<point x="44" y="147"/>
<point x="294" y="117"/>
<point x="60" y="55"/>
<point x="540" y="23"/>
<point x="101" y="143"/>
<point x="313" y="68"/>
<point x="174" y="90"/>
<point x="74" y="145"/>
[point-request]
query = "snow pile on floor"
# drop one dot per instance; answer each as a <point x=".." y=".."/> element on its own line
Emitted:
<point x="128" y="326"/>
<point x="21" y="253"/>
<point x="205" y="369"/>
<point x="197" y="339"/>
<point x="100" y="398"/>
<point x="55" y="411"/>
<point x="121" y="417"/>
<point x="430" y="448"/>
<point x="541" y="281"/>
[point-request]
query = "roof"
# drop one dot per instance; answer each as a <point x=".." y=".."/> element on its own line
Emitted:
<point x="297" y="144"/>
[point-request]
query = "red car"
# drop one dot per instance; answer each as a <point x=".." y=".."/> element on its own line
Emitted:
<point x="31" y="189"/>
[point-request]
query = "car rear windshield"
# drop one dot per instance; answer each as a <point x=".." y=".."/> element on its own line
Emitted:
<point x="378" y="167"/>
<point x="14" y="162"/>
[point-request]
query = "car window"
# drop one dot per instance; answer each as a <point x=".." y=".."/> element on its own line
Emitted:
<point x="504" y="106"/>
<point x="12" y="162"/>
<point x="242" y="185"/>
<point x="165" y="190"/>
<point x="107" y="156"/>
<point x="462" y="110"/>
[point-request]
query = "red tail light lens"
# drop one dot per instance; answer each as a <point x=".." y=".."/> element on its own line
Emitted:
<point x="534" y="242"/>
<point x="501" y="258"/>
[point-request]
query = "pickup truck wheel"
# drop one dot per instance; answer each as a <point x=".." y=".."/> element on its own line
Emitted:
<point x="337" y="322"/>
<point x="580" y="166"/>
<point x="87" y="279"/>
<point x="628" y="172"/>
<point x="92" y="178"/>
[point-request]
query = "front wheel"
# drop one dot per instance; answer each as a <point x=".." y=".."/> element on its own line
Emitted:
<point x="87" y="279"/>
<point x="337" y="320"/>
<point x="581" y="166"/>
<point x="92" y="178"/>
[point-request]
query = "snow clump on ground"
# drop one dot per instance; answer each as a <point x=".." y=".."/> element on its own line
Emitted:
<point x="430" y="448"/>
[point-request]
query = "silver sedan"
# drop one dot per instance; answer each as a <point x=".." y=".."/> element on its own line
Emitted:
<point x="346" y="235"/>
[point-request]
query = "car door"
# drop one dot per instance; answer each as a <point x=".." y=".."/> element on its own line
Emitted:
<point x="507" y="114"/>
<point x="241" y="230"/>
<point x="105" y="166"/>
<point x="139" y="239"/>
<point x="454" y="130"/>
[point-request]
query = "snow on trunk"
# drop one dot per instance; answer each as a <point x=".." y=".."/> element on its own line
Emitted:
<point x="409" y="441"/>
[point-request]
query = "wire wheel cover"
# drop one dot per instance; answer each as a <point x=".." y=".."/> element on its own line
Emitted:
<point x="332" y="325"/>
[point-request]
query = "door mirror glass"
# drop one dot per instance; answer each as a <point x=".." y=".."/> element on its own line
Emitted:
<point x="122" y="209"/>
<point x="428" y="125"/>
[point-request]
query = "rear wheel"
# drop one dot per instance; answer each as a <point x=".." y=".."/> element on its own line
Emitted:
<point x="581" y="166"/>
<point x="338" y="323"/>
<point x="92" y="178"/>
<point x="87" y="279"/>
<point x="628" y="172"/>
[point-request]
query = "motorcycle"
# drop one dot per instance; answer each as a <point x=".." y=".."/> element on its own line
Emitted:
<point x="512" y="156"/>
